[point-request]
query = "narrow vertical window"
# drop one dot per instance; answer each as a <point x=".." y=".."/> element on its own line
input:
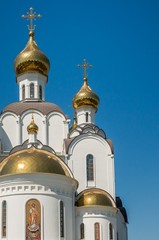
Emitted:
<point x="4" y="218"/>
<point x="31" y="90"/>
<point x="87" y="116"/>
<point x="61" y="219"/>
<point x="97" y="231"/>
<point x="82" y="231"/>
<point x="90" y="168"/>
<point x="117" y="236"/>
<point x="110" y="231"/>
<point x="40" y="92"/>
<point x="23" y="92"/>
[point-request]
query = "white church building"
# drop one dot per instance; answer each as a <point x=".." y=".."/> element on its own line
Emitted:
<point x="57" y="181"/>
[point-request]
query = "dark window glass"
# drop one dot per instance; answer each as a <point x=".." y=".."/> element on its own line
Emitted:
<point x="4" y="218"/>
<point x="31" y="90"/>
<point x="82" y="231"/>
<point x="86" y="116"/>
<point x="40" y="92"/>
<point x="61" y="219"/>
<point x="90" y="168"/>
<point x="110" y="231"/>
<point x="23" y="92"/>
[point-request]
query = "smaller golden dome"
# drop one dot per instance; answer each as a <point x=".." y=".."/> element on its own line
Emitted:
<point x="33" y="160"/>
<point x="31" y="59"/>
<point x="85" y="97"/>
<point x="94" y="197"/>
<point x="32" y="127"/>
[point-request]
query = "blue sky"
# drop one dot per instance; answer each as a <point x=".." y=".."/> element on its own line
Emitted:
<point x="121" y="40"/>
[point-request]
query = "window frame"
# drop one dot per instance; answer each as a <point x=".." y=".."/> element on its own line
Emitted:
<point x="97" y="231"/>
<point x="32" y="89"/>
<point x="62" y="221"/>
<point x="23" y="92"/>
<point x="90" y="167"/>
<point x="4" y="219"/>
<point x="110" y="231"/>
<point x="40" y="92"/>
<point x="82" y="231"/>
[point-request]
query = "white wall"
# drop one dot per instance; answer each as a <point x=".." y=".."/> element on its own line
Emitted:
<point x="96" y="214"/>
<point x="48" y="190"/>
<point x="103" y="162"/>
<point x="52" y="129"/>
<point x="8" y="131"/>
<point x="56" y="131"/>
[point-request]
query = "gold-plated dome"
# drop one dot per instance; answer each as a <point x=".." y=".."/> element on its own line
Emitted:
<point x="32" y="127"/>
<point x="94" y="196"/>
<point x="85" y="97"/>
<point x="31" y="59"/>
<point x="33" y="160"/>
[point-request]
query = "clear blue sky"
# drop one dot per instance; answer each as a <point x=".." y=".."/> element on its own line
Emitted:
<point x="120" y="38"/>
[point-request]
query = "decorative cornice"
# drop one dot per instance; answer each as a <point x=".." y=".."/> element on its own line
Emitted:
<point x="88" y="128"/>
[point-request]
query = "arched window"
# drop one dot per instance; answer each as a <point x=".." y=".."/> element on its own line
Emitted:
<point x="97" y="231"/>
<point x="61" y="219"/>
<point x="4" y="218"/>
<point x="40" y="92"/>
<point x="31" y="90"/>
<point x="90" y="167"/>
<point x="110" y="231"/>
<point x="87" y="116"/>
<point x="82" y="231"/>
<point x="23" y="92"/>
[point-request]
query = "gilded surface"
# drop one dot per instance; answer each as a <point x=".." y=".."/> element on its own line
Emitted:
<point x="33" y="160"/>
<point x="94" y="196"/>
<point x="32" y="59"/>
<point x="32" y="127"/>
<point x="85" y="97"/>
<point x="33" y="220"/>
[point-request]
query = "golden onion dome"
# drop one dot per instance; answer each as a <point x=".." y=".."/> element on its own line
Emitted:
<point x="94" y="197"/>
<point x="31" y="59"/>
<point x="85" y="97"/>
<point x="33" y="160"/>
<point x="32" y="127"/>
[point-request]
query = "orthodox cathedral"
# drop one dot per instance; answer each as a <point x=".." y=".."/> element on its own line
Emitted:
<point x="57" y="181"/>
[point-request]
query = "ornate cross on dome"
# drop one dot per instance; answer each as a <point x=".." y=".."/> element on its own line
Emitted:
<point x="85" y="65"/>
<point x="31" y="16"/>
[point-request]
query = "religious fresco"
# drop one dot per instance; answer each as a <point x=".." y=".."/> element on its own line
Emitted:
<point x="33" y="220"/>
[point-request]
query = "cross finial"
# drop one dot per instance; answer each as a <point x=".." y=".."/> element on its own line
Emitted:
<point x="85" y="65"/>
<point x="31" y="16"/>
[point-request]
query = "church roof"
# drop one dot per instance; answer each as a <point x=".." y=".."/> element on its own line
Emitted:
<point x="33" y="160"/>
<point x="44" y="107"/>
<point x="94" y="197"/>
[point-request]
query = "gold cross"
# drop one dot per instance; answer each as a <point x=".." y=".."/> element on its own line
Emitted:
<point x="31" y="16"/>
<point x="85" y="65"/>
